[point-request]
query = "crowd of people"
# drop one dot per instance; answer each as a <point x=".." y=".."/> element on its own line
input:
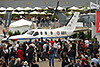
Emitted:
<point x="83" y="53"/>
<point x="44" y="22"/>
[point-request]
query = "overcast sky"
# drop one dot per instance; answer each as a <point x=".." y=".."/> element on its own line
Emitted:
<point x="43" y="3"/>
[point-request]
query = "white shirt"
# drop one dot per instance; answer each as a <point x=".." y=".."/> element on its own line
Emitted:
<point x="55" y="45"/>
<point x="27" y="46"/>
<point x="33" y="18"/>
<point x="44" y="47"/>
<point x="59" y="46"/>
<point x="67" y="41"/>
<point x="86" y="43"/>
<point x="49" y="46"/>
<point x="16" y="46"/>
<point x="21" y="16"/>
<point x="5" y="51"/>
<point x="10" y="49"/>
<point x="70" y="45"/>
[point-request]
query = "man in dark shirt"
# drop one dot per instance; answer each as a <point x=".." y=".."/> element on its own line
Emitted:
<point x="34" y="64"/>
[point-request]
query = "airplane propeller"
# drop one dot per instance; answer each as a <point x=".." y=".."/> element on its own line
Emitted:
<point x="56" y="9"/>
<point x="52" y="10"/>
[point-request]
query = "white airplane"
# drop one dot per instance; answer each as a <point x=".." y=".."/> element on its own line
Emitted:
<point x="61" y="32"/>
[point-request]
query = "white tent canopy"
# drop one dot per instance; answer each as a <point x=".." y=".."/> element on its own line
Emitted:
<point x="22" y="12"/>
<point x="73" y="8"/>
<point x="3" y="12"/>
<point x="42" y="13"/>
<point x="35" y="12"/>
<point x="2" y="8"/>
<point x="27" y="8"/>
<point x="59" y="8"/>
<point x="10" y="8"/>
<point x="19" y="8"/>
<point x="69" y="12"/>
<point x="46" y="8"/>
<point x="13" y="12"/>
<point x="37" y="8"/>
<point x="21" y="25"/>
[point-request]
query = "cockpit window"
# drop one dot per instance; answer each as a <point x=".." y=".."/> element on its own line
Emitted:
<point x="30" y="33"/>
<point x="36" y="33"/>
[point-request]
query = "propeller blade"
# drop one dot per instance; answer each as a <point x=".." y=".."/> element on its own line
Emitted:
<point x="56" y="9"/>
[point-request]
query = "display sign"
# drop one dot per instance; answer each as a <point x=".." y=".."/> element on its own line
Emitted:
<point x="97" y="21"/>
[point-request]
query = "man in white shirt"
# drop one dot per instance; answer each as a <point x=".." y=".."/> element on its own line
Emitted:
<point x="55" y="48"/>
<point x="21" y="16"/>
<point x="86" y="42"/>
<point x="44" y="52"/>
<point x="33" y="45"/>
<point x="17" y="45"/>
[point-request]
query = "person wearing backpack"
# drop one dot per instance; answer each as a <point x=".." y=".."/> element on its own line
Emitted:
<point x="51" y="56"/>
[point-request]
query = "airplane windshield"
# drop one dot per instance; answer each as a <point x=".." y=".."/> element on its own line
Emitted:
<point x="36" y="33"/>
<point x="30" y="33"/>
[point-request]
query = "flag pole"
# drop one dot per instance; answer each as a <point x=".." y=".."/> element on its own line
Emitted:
<point x="96" y="1"/>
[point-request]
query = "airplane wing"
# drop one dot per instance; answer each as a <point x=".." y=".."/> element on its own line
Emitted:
<point x="79" y="30"/>
<point x="74" y="39"/>
<point x="2" y="35"/>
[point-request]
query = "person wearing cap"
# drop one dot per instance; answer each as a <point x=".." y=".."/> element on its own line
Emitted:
<point x="11" y="62"/>
<point x="78" y="63"/>
<point x="25" y="64"/>
<point x="18" y="63"/>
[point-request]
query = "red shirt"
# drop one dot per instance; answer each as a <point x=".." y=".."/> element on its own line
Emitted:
<point x="20" y="54"/>
<point x="52" y="42"/>
<point x="83" y="45"/>
<point x="83" y="61"/>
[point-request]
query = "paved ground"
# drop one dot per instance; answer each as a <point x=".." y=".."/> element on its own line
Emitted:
<point x="46" y="63"/>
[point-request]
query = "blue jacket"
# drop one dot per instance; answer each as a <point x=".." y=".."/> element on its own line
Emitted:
<point x="52" y="52"/>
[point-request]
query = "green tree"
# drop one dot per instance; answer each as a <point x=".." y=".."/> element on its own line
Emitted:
<point x="10" y="33"/>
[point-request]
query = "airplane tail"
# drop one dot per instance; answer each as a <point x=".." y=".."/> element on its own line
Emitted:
<point x="71" y="24"/>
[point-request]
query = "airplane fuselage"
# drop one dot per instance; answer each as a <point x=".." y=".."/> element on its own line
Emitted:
<point x="45" y="33"/>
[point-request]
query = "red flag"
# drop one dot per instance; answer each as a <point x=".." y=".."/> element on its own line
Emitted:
<point x="97" y="21"/>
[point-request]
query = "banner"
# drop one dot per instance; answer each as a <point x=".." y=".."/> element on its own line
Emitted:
<point x="94" y="6"/>
<point x="97" y="21"/>
<point x="8" y="18"/>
